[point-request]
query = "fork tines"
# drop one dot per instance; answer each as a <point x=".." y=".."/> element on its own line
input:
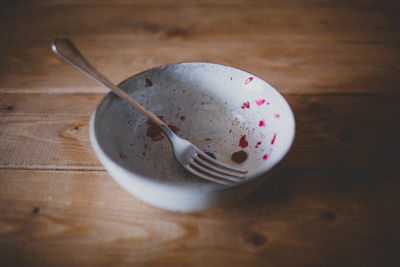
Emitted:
<point x="210" y="169"/>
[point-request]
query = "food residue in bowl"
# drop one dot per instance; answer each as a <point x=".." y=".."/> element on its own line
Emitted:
<point x="243" y="142"/>
<point x="239" y="156"/>
<point x="155" y="133"/>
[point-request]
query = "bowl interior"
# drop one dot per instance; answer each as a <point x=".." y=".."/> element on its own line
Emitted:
<point x="222" y="110"/>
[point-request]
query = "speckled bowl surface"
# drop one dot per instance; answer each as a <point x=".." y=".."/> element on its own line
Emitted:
<point x="233" y="114"/>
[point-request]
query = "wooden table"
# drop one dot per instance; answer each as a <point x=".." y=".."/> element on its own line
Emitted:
<point x="333" y="201"/>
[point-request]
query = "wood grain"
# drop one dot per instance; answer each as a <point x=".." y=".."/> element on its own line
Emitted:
<point x="47" y="131"/>
<point x="297" y="218"/>
<point x="334" y="48"/>
<point x="345" y="132"/>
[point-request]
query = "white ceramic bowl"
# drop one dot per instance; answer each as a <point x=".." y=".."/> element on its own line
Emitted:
<point x="220" y="109"/>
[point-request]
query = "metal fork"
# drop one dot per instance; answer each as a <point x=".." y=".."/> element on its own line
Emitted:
<point x="188" y="155"/>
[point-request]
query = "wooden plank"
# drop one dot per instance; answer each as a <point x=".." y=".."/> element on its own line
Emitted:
<point x="297" y="218"/>
<point x="283" y="18"/>
<point x="337" y="47"/>
<point x="42" y="131"/>
<point x="290" y="67"/>
<point x="46" y="131"/>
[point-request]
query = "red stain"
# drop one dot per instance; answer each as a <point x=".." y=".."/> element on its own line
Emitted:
<point x="155" y="133"/>
<point x="230" y="78"/>
<point x="248" y="80"/>
<point x="173" y="128"/>
<point x="260" y="102"/>
<point x="122" y="156"/>
<point x="243" y="142"/>
<point x="258" y="143"/>
<point x="267" y="103"/>
<point x="246" y="105"/>
<point x="239" y="156"/>
<point x="207" y="139"/>
<point x="157" y="137"/>
<point x="265" y="157"/>
<point x="262" y="123"/>
<point x="202" y="102"/>
<point x="273" y="139"/>
<point x="276" y="115"/>
<point x="230" y="131"/>
<point x="183" y="118"/>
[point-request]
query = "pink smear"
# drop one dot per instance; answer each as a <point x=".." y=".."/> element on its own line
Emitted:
<point x="267" y="103"/>
<point x="273" y="139"/>
<point x="262" y="123"/>
<point x="230" y="78"/>
<point x="248" y="80"/>
<point x="276" y="115"/>
<point x="260" y="102"/>
<point x="265" y="157"/>
<point x="243" y="142"/>
<point x="246" y="105"/>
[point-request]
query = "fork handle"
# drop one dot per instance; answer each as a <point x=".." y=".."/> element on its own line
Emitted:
<point x="67" y="51"/>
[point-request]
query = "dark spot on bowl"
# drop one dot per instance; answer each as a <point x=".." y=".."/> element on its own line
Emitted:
<point x="10" y="108"/>
<point x="239" y="156"/>
<point x="149" y="82"/>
